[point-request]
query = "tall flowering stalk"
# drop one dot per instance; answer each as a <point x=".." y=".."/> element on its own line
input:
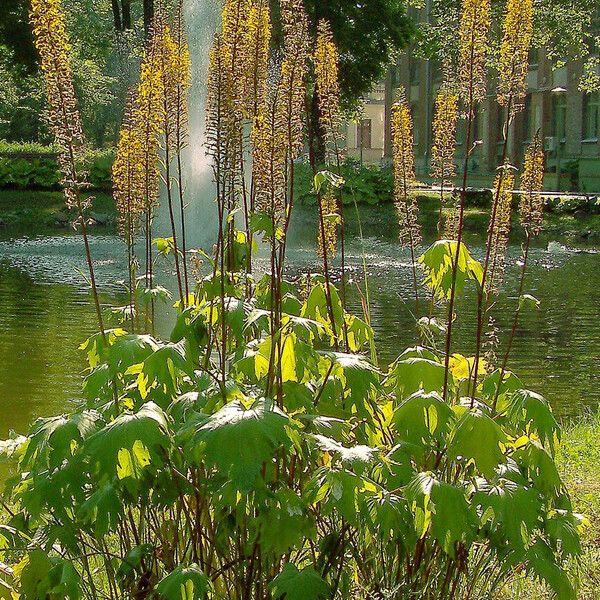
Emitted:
<point x="168" y="59"/>
<point x="182" y="83"/>
<point x="225" y="121"/>
<point x="240" y="90"/>
<point x="443" y="148"/>
<point x="514" y="54"/>
<point x="218" y="127"/>
<point x="472" y="78"/>
<point x="497" y="243"/>
<point x="290" y="92"/>
<point x="52" y="43"/>
<point x="254" y="89"/>
<point x="327" y="236"/>
<point x="234" y="39"/>
<point x="531" y="207"/>
<point x="499" y="229"/>
<point x="328" y="89"/>
<point x="128" y="178"/>
<point x="404" y="183"/>
<point x="288" y="104"/>
<point x="148" y="123"/>
<point x="256" y="44"/>
<point x="268" y="167"/>
<point x="327" y="84"/>
<point x="473" y="50"/>
<point x="512" y="89"/>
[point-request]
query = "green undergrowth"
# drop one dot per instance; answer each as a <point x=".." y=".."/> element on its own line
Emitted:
<point x="259" y="452"/>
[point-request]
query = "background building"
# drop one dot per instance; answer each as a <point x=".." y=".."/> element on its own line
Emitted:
<point x="569" y="121"/>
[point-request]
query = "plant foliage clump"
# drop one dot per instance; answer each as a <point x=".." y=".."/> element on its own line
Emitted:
<point x="262" y="451"/>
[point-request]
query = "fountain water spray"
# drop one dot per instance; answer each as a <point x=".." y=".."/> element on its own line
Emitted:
<point x="202" y="18"/>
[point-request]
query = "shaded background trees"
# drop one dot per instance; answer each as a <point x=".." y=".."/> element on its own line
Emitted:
<point x="107" y="36"/>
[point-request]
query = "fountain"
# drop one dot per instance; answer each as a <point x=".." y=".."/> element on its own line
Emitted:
<point x="201" y="17"/>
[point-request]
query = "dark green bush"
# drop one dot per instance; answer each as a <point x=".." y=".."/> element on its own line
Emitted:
<point x="33" y="166"/>
<point x="571" y="204"/>
<point x="367" y="184"/>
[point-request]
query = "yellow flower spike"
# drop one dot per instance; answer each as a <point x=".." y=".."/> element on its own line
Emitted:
<point x="277" y="133"/>
<point x="444" y="136"/>
<point x="514" y="53"/>
<point x="443" y="149"/>
<point x="128" y="176"/>
<point x="327" y="83"/>
<point x="404" y="173"/>
<point x="473" y="49"/>
<point x="52" y="43"/>
<point x="256" y="44"/>
<point x="330" y="220"/>
<point x="268" y="165"/>
<point x="504" y="187"/>
<point x="291" y="89"/>
<point x="234" y="19"/>
<point x="531" y="205"/>
<point x="147" y="117"/>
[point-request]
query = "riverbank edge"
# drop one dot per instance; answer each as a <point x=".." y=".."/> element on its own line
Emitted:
<point x="39" y="211"/>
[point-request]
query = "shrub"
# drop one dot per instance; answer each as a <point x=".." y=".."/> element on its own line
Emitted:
<point x="363" y="184"/>
<point x="359" y="478"/>
<point x="34" y="166"/>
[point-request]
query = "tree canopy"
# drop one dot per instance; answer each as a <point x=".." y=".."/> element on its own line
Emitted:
<point x="367" y="36"/>
<point x="566" y="30"/>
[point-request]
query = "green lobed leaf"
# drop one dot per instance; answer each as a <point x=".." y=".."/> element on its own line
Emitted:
<point x="240" y="438"/>
<point x="477" y="437"/>
<point x="183" y="583"/>
<point x="294" y="584"/>
<point x="438" y="261"/>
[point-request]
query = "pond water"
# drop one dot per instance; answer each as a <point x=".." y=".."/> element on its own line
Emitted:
<point x="45" y="312"/>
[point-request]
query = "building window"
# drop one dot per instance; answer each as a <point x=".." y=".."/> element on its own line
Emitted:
<point x="531" y="118"/>
<point x="363" y="133"/>
<point x="591" y="116"/>
<point x="559" y="110"/>
<point x="415" y="72"/>
<point x="534" y="58"/>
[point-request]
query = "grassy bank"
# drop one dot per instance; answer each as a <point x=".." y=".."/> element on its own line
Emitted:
<point x="579" y="464"/>
<point x="566" y="225"/>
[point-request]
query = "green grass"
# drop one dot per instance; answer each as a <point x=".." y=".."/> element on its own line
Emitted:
<point x="579" y="463"/>
<point x="43" y="209"/>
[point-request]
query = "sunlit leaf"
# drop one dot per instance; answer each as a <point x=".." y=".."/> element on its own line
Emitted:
<point x="183" y="583"/>
<point x="238" y="439"/>
<point x="477" y="437"/>
<point x="438" y="262"/>
<point x="294" y="584"/>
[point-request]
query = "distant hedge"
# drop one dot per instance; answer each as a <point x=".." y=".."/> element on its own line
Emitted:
<point x="32" y="166"/>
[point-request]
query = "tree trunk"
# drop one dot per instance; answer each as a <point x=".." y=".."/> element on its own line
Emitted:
<point x="117" y="15"/>
<point x="148" y="15"/>
<point x="126" y="4"/>
<point x="389" y="101"/>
